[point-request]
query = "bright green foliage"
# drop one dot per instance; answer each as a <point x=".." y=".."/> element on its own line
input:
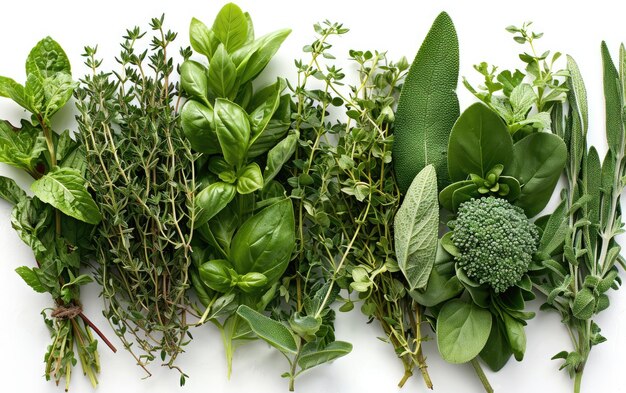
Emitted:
<point x="496" y="242"/>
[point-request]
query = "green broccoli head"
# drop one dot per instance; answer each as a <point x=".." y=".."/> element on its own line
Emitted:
<point x="495" y="242"/>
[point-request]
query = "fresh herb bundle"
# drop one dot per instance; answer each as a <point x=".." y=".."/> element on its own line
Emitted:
<point x="580" y="255"/>
<point x="57" y="222"/>
<point x="142" y="170"/>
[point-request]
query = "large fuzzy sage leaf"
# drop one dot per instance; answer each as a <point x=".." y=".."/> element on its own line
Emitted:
<point x="64" y="188"/>
<point x="613" y="102"/>
<point x="428" y="106"/>
<point x="330" y="352"/>
<point x="462" y="330"/>
<point x="415" y="229"/>
<point x="479" y="141"/>
<point x="273" y="332"/>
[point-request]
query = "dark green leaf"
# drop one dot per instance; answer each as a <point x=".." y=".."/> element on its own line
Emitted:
<point x="199" y="128"/>
<point x="250" y="179"/>
<point x="497" y="351"/>
<point x="278" y="156"/>
<point x="21" y="147"/>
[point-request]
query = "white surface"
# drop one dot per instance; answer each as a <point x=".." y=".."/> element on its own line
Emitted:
<point x="392" y="25"/>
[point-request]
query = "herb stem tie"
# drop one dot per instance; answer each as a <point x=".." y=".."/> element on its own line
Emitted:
<point x="67" y="312"/>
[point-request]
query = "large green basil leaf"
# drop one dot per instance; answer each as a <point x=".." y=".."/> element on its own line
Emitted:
<point x="13" y="90"/>
<point x="538" y="161"/>
<point x="262" y="114"/>
<point x="211" y="200"/>
<point x="462" y="330"/>
<point x="57" y="90"/>
<point x="273" y="332"/>
<point x="231" y="27"/>
<point x="497" y="351"/>
<point x="233" y="131"/>
<point x="217" y="275"/>
<point x="252" y="58"/>
<point x="47" y="58"/>
<point x="199" y="128"/>
<point x="275" y="130"/>
<point x="202" y="39"/>
<point x="222" y="75"/>
<point x="64" y="188"/>
<point x="10" y="191"/>
<point x="250" y="179"/>
<point x="479" y="141"/>
<point x="193" y="80"/>
<point x="279" y="155"/>
<point x="21" y="147"/>
<point x="416" y="227"/>
<point x="264" y="242"/>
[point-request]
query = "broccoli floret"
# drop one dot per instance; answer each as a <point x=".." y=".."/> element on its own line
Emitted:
<point x="495" y="242"/>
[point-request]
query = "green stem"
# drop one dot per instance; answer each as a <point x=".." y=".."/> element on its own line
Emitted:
<point x="481" y="375"/>
<point x="577" y="380"/>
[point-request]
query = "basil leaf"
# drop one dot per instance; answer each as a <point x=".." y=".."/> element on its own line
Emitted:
<point x="462" y="330"/>
<point x="250" y="179"/>
<point x="262" y="114"/>
<point x="233" y="131"/>
<point x="21" y="147"/>
<point x="10" y="191"/>
<point x="57" y="90"/>
<point x="273" y="332"/>
<point x="479" y="141"/>
<point x="13" y="90"/>
<point x="202" y="39"/>
<point x="47" y="58"/>
<point x="216" y="274"/>
<point x="252" y="58"/>
<point x="222" y="74"/>
<point x="199" y="127"/>
<point x="231" y="27"/>
<point x="538" y="161"/>
<point x="278" y="156"/>
<point x="31" y="278"/>
<point x="416" y="228"/>
<point x="64" y="188"/>
<point x="194" y="82"/>
<point x="211" y="200"/>
<point x="497" y="351"/>
<point x="264" y="242"/>
<point x="330" y="352"/>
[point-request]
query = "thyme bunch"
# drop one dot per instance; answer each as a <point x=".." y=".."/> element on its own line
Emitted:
<point x="141" y="167"/>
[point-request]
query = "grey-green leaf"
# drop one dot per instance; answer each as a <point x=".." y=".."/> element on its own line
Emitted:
<point x="428" y="106"/>
<point x="462" y="330"/>
<point x="416" y="227"/>
<point x="613" y="102"/>
<point x="273" y="332"/>
<point x="65" y="189"/>
<point x="332" y="351"/>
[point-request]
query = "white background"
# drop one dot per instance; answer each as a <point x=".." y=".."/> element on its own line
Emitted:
<point x="392" y="25"/>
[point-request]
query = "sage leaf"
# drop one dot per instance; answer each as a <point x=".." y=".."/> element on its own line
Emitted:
<point x="10" y="191"/>
<point x="538" y="161"/>
<point x="462" y="330"/>
<point x="479" y="141"/>
<point x="47" y="58"/>
<point x="231" y="27"/>
<point x="222" y="74"/>
<point x="65" y="189"/>
<point x="428" y="106"/>
<point x="233" y="131"/>
<point x="211" y="200"/>
<point x="30" y="277"/>
<point x="416" y="227"/>
<point x="330" y="352"/>
<point x="613" y="102"/>
<point x="273" y="332"/>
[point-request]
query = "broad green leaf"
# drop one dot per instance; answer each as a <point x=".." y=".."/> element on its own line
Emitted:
<point x="278" y="156"/>
<point x="217" y="275"/>
<point x="464" y="194"/>
<point x="416" y="228"/>
<point x="211" y="200"/>
<point x="58" y="89"/>
<point x="584" y="304"/>
<point x="264" y="242"/>
<point x="233" y="131"/>
<point x="252" y="282"/>
<point x="515" y="335"/>
<point x="497" y="351"/>
<point x="10" y="191"/>
<point x="555" y="231"/>
<point x="222" y="74"/>
<point x="231" y="27"/>
<point x="273" y="332"/>
<point x="443" y="283"/>
<point x="428" y="106"/>
<point x="202" y="39"/>
<point x="193" y="80"/>
<point x="462" y="330"/>
<point x="522" y="99"/>
<point x="445" y="196"/>
<point x="13" y="90"/>
<point x="538" y="161"/>
<point x="250" y="179"/>
<point x="252" y="58"/>
<point x="262" y="113"/>
<point x="199" y="127"/>
<point x="21" y="147"/>
<point x="305" y="326"/>
<point x="65" y="189"/>
<point x="47" y="58"/>
<point x="31" y="278"/>
<point x="275" y="130"/>
<point x="330" y="352"/>
<point x="479" y="141"/>
<point x="34" y="90"/>
<point x="31" y="218"/>
<point x="613" y="102"/>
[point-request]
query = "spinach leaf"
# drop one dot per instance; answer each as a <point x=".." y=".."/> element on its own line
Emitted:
<point x="462" y="330"/>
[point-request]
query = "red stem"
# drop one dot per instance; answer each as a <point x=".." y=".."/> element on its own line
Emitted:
<point x="98" y="332"/>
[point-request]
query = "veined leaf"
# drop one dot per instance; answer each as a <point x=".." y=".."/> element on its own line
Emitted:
<point x="10" y="191"/>
<point x="199" y="127"/>
<point x="202" y="39"/>
<point x="613" y="102"/>
<point x="462" y="330"/>
<point x="47" y="58"/>
<point x="211" y="200"/>
<point x="233" y="131"/>
<point x="332" y="351"/>
<point x="21" y="147"/>
<point x="13" y="90"/>
<point x="416" y="227"/>
<point x="222" y="74"/>
<point x="64" y="188"/>
<point x="30" y="277"/>
<point x="273" y="332"/>
<point x="231" y="27"/>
